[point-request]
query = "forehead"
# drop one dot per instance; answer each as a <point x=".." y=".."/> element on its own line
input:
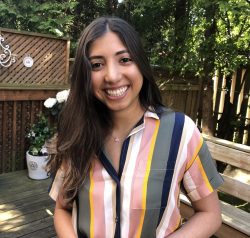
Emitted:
<point x="109" y="43"/>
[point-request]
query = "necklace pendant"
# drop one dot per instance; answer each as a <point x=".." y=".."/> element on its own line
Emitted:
<point x="116" y="139"/>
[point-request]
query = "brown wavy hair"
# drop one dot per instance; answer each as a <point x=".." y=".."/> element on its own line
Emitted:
<point x="84" y="120"/>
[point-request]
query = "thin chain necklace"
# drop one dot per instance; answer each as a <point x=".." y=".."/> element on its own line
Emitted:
<point x="117" y="138"/>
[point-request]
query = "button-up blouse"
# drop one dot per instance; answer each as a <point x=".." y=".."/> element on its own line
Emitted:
<point x="163" y="154"/>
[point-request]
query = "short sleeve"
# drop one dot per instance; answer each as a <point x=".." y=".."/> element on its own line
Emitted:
<point x="56" y="184"/>
<point x="201" y="177"/>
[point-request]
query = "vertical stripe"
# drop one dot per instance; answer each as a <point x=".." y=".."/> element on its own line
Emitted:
<point x="195" y="154"/>
<point x="98" y="200"/>
<point x="138" y="177"/>
<point x="83" y="209"/>
<point x="56" y="184"/>
<point x="126" y="182"/>
<point x="174" y="149"/>
<point x="91" y="202"/>
<point x="74" y="217"/>
<point x="157" y="174"/>
<point x="146" y="178"/>
<point x="109" y="204"/>
<point x="170" y="214"/>
<point x="204" y="174"/>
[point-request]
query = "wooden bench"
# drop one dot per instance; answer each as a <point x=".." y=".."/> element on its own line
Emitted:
<point x="235" y="222"/>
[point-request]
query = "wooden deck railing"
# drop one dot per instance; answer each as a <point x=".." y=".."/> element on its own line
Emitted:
<point x="236" y="222"/>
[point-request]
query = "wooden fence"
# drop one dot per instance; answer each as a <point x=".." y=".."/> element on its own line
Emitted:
<point x="24" y="89"/>
<point x="240" y="102"/>
<point x="18" y="109"/>
<point x="50" y="56"/>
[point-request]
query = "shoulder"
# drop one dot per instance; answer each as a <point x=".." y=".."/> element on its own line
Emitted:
<point x="179" y="119"/>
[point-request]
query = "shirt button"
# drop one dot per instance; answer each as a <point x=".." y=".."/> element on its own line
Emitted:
<point x="116" y="219"/>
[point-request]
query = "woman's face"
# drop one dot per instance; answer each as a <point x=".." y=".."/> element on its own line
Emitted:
<point x="116" y="79"/>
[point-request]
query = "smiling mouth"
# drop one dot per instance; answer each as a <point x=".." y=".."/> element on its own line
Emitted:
<point x="116" y="93"/>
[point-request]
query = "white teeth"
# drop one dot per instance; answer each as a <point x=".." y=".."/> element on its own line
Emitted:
<point x="117" y="93"/>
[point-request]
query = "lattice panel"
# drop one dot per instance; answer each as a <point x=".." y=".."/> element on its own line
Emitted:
<point x="49" y="57"/>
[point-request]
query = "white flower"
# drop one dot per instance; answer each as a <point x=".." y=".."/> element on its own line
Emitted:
<point x="43" y="150"/>
<point x="50" y="102"/>
<point x="29" y="135"/>
<point x="33" y="133"/>
<point x="34" y="151"/>
<point x="62" y="96"/>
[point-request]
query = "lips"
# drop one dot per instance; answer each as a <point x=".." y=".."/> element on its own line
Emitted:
<point x="117" y="92"/>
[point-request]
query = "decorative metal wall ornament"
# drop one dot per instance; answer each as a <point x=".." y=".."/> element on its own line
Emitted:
<point x="10" y="59"/>
<point x="28" y="61"/>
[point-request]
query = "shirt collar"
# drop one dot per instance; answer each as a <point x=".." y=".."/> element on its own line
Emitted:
<point x="141" y="124"/>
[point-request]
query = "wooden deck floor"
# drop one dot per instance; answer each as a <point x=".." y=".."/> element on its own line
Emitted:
<point x="26" y="210"/>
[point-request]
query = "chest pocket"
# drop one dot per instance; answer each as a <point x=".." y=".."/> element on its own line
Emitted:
<point x="148" y="184"/>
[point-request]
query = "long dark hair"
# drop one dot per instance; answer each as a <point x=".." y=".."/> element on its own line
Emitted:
<point x="84" y="120"/>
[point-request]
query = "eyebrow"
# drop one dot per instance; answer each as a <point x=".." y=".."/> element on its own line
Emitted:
<point x="101" y="57"/>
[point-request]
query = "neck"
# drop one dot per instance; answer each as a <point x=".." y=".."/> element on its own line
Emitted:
<point x="125" y="120"/>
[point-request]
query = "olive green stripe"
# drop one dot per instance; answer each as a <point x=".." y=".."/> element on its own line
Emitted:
<point x="157" y="174"/>
<point x="84" y="208"/>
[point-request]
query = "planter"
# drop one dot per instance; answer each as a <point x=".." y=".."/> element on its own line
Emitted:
<point x="35" y="166"/>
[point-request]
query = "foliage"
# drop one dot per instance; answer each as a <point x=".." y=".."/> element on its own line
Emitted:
<point x="49" y="17"/>
<point x="180" y="36"/>
<point x="38" y="134"/>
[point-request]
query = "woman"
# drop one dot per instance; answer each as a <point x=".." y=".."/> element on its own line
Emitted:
<point x="121" y="156"/>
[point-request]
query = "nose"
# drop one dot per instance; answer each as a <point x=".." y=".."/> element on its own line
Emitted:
<point x="113" y="73"/>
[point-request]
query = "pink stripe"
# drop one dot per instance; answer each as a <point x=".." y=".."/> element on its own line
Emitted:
<point x="193" y="144"/>
<point x="138" y="177"/>
<point x="175" y="214"/>
<point x="198" y="180"/>
<point x="98" y="200"/>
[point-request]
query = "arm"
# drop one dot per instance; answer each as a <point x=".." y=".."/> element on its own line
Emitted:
<point x="205" y="221"/>
<point x="63" y="222"/>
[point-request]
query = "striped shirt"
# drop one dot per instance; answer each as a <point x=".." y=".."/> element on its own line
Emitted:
<point x="162" y="154"/>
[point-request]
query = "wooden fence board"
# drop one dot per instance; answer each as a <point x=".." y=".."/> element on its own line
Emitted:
<point x="230" y="156"/>
<point x="4" y="136"/>
<point x="25" y="95"/>
<point x="13" y="157"/>
<point x="236" y="188"/>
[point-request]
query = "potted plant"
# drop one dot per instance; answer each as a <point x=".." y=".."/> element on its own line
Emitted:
<point x="37" y="153"/>
<point x="39" y="133"/>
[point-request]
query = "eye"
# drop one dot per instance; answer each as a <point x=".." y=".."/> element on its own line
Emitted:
<point x="96" y="65"/>
<point x="125" y="60"/>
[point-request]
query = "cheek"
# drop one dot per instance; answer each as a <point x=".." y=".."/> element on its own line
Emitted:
<point x="96" y="86"/>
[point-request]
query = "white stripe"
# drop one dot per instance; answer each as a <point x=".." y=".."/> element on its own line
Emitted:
<point x="187" y="133"/>
<point x="74" y="217"/>
<point x="57" y="183"/>
<point x="194" y="195"/>
<point x="108" y="203"/>
<point x="126" y="186"/>
<point x="188" y="182"/>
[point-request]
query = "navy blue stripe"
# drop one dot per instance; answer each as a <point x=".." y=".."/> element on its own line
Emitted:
<point x="53" y="178"/>
<point x="123" y="157"/>
<point x="174" y="148"/>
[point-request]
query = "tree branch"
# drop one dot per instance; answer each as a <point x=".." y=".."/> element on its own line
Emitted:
<point x="241" y="30"/>
<point x="228" y="25"/>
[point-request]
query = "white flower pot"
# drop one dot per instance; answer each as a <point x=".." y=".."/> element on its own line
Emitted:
<point x="35" y="166"/>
